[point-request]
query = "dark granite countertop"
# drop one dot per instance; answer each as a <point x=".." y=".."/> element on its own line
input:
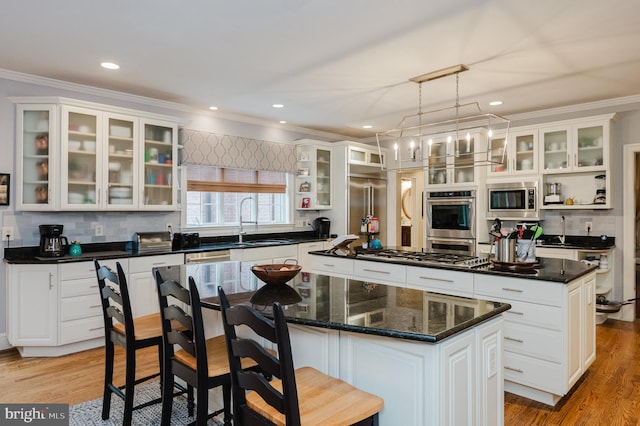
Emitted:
<point x="124" y="249"/>
<point x="573" y="242"/>
<point x="343" y="304"/>
<point x="546" y="269"/>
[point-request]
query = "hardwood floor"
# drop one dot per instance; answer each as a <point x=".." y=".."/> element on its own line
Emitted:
<point x="609" y="394"/>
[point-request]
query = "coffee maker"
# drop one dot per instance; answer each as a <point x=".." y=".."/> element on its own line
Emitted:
<point x="51" y="239"/>
<point x="321" y="225"/>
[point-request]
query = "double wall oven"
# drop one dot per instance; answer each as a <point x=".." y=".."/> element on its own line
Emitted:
<point x="451" y="222"/>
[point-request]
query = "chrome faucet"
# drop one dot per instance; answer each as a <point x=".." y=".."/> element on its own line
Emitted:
<point x="563" y="236"/>
<point x="241" y="233"/>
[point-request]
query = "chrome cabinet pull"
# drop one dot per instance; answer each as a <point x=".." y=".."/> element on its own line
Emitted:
<point x="329" y="265"/>
<point x="515" y="290"/>
<point x="515" y="312"/>
<point x="96" y="328"/>
<point x="376" y="271"/>
<point x="517" y="370"/>
<point x="435" y="279"/>
<point x="50" y="281"/>
<point x="513" y="339"/>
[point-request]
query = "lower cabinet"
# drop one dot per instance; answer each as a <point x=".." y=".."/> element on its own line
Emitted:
<point x="266" y="255"/>
<point x="55" y="309"/>
<point x="143" y="291"/>
<point x="32" y="305"/>
<point x="457" y="381"/>
<point x="549" y="333"/>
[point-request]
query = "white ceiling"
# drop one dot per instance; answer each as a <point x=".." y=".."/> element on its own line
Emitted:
<point x="335" y="64"/>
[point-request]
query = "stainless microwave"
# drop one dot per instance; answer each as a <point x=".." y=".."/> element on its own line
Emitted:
<point x="513" y="200"/>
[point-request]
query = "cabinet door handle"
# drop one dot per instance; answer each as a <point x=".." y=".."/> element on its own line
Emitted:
<point x="376" y="271"/>
<point x="513" y="339"/>
<point x="50" y="281"/>
<point x="159" y="263"/>
<point x="97" y="306"/>
<point x="329" y="265"/>
<point x="515" y="290"/>
<point x="96" y="328"/>
<point x="435" y="279"/>
<point x="515" y="312"/>
<point x="517" y="370"/>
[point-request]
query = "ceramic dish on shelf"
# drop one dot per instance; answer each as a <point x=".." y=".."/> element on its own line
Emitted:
<point x="76" y="198"/>
<point x="120" y="192"/>
<point x="89" y="146"/>
<point x="74" y="145"/>
<point x="121" y="200"/>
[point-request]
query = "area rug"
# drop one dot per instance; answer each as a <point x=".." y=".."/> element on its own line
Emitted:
<point x="90" y="412"/>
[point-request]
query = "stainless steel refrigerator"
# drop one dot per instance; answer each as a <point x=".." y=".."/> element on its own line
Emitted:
<point x="367" y="196"/>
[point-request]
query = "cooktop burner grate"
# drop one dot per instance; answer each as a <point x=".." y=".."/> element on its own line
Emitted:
<point x="427" y="258"/>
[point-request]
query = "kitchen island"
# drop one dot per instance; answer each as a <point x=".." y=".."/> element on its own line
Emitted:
<point x="549" y="334"/>
<point x="435" y="359"/>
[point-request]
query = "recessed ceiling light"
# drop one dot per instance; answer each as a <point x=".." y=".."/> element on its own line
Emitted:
<point x="495" y="103"/>
<point x="283" y="122"/>
<point x="110" y="65"/>
<point x="213" y="108"/>
<point x="278" y="105"/>
<point x="367" y="126"/>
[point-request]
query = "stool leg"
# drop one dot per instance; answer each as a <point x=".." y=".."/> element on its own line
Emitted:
<point x="108" y="379"/>
<point x="226" y="398"/>
<point x="167" y="396"/>
<point x="130" y="379"/>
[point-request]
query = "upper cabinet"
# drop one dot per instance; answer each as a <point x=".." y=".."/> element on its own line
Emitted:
<point x="313" y="179"/>
<point x="513" y="153"/>
<point x="365" y="156"/>
<point x="36" y="130"/>
<point x="97" y="158"/>
<point x="581" y="145"/>
<point x="450" y="161"/>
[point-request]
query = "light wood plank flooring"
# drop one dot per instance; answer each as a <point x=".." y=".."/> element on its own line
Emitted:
<point x="609" y="394"/>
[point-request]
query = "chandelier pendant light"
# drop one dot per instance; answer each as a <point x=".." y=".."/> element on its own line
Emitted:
<point x="416" y="139"/>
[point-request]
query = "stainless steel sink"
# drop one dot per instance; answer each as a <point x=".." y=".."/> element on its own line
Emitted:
<point x="265" y="242"/>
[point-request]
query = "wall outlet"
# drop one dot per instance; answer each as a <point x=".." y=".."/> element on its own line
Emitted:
<point x="169" y="228"/>
<point x="7" y="233"/>
<point x="99" y="231"/>
<point x="588" y="226"/>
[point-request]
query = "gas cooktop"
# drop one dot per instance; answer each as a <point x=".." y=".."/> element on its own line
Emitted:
<point x="425" y="258"/>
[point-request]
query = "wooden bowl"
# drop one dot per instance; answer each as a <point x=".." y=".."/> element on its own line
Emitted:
<point x="276" y="273"/>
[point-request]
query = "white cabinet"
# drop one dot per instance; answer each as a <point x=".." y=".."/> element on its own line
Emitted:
<point x="80" y="305"/>
<point x="36" y="156"/>
<point x="515" y="153"/>
<point x="365" y="156"/>
<point x="452" y="160"/>
<point x="32" y="305"/>
<point x="265" y="255"/>
<point x="549" y="333"/>
<point x="576" y="145"/>
<point x="143" y="290"/>
<point x="313" y="183"/>
<point x="97" y="157"/>
<point x="304" y="258"/>
<point x="439" y="281"/>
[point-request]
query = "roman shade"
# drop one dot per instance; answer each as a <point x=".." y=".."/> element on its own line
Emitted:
<point x="212" y="149"/>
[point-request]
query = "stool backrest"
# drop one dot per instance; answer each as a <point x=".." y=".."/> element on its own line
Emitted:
<point x="116" y="304"/>
<point x="281" y="367"/>
<point x="179" y="327"/>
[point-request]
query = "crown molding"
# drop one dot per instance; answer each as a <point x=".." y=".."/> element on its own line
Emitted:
<point x="158" y="103"/>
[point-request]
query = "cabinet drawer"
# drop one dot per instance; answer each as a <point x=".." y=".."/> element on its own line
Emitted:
<point x="534" y="315"/>
<point x="82" y="329"/>
<point x="87" y="269"/>
<point x="533" y="341"/>
<point x="79" y="287"/>
<point x="146" y="263"/>
<point x="80" y="307"/>
<point x="449" y="282"/>
<point x="324" y="265"/>
<point x="544" y="292"/>
<point x="380" y="271"/>
<point x="534" y="372"/>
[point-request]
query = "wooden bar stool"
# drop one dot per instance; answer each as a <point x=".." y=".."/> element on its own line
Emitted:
<point x="294" y="397"/>
<point x="131" y="334"/>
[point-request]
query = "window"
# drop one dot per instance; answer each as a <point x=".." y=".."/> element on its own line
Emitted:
<point x="215" y="194"/>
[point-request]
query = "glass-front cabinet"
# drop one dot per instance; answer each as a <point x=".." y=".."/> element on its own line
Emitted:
<point x="123" y="162"/>
<point x="75" y="155"/>
<point x="452" y="160"/>
<point x="514" y="153"/>
<point x="81" y="163"/>
<point x="159" y="151"/>
<point x="579" y="146"/>
<point x="36" y="140"/>
<point x="313" y="177"/>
